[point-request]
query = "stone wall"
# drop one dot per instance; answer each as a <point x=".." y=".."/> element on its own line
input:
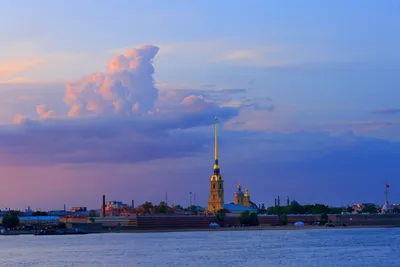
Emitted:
<point x="366" y="219"/>
<point x="268" y="220"/>
<point x="173" y="221"/>
<point x="202" y="221"/>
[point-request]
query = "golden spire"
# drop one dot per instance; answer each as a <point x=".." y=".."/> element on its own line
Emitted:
<point x="239" y="187"/>
<point x="216" y="165"/>
<point x="247" y="193"/>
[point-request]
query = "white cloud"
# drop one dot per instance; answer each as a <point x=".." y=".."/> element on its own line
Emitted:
<point x="127" y="87"/>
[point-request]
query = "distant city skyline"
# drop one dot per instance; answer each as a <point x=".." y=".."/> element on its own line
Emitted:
<point x="120" y="98"/>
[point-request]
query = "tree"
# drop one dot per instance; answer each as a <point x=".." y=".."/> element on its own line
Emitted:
<point x="262" y="209"/>
<point x="220" y="215"/>
<point x="11" y="219"/>
<point x="271" y="210"/>
<point x="276" y="210"/>
<point x="396" y="209"/>
<point x="178" y="207"/>
<point x="162" y="208"/>
<point x="295" y="208"/>
<point x="147" y="206"/>
<point x="349" y="209"/>
<point x="335" y="210"/>
<point x="244" y="217"/>
<point x="39" y="213"/>
<point x="320" y="209"/>
<point x="369" y="209"/>
<point x="254" y="219"/>
<point x="248" y="218"/>
<point x="283" y="219"/>
<point x="92" y="213"/>
<point x="323" y="219"/>
<point x="193" y="209"/>
<point x="62" y="225"/>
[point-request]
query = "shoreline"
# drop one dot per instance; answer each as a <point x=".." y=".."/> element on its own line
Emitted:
<point x="263" y="228"/>
<point x="225" y="229"/>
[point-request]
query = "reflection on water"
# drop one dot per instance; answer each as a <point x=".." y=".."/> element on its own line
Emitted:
<point x="325" y="247"/>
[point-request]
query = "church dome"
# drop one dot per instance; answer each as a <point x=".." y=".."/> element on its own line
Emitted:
<point x="294" y="203"/>
<point x="247" y="193"/>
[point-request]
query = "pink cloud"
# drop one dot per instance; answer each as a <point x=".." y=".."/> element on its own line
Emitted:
<point x="126" y="88"/>
<point x="43" y="112"/>
<point x="8" y="69"/>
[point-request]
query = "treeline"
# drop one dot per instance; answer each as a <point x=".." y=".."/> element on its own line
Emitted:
<point x="245" y="218"/>
<point x="163" y="208"/>
<point x="296" y="208"/>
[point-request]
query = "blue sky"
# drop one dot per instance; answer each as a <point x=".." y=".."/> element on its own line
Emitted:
<point x="317" y="80"/>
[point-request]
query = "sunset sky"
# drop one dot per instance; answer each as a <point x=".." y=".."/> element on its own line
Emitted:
<point x="119" y="97"/>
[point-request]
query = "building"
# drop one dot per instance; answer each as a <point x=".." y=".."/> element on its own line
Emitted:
<point x="110" y="205"/>
<point x="78" y="209"/>
<point x="39" y="220"/>
<point x="239" y="196"/>
<point x="361" y="207"/>
<point x="216" y="199"/>
<point x="241" y="203"/>
<point x="242" y="199"/>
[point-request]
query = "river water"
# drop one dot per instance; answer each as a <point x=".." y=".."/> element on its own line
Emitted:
<point x="306" y="248"/>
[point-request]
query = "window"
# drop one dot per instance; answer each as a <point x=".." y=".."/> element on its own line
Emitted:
<point x="213" y="186"/>
<point x="220" y="186"/>
<point x="213" y="197"/>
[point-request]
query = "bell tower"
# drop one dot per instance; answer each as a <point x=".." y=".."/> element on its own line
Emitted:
<point x="216" y="199"/>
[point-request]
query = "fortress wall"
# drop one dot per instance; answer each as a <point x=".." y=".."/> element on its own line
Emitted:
<point x="307" y="219"/>
<point x="200" y="221"/>
<point x="366" y="219"/>
<point x="174" y="222"/>
<point x="268" y="220"/>
<point x="128" y="221"/>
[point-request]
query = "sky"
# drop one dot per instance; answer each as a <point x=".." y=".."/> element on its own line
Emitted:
<point x="119" y="98"/>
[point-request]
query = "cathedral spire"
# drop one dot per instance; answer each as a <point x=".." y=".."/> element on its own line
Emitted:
<point x="216" y="165"/>
<point x="216" y="199"/>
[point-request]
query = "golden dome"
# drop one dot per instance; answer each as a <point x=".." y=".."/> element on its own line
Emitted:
<point x="247" y="193"/>
<point x="239" y="187"/>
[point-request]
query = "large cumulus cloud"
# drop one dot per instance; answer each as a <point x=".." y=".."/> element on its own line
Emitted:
<point x="120" y="116"/>
<point x="126" y="87"/>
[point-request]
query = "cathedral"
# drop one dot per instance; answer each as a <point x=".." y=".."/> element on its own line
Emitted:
<point x="242" y="199"/>
<point x="216" y="200"/>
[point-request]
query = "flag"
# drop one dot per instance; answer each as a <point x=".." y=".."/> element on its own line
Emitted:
<point x="387" y="186"/>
